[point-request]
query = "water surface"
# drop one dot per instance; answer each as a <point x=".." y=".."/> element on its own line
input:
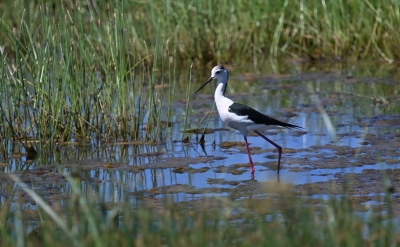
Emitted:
<point x="349" y="112"/>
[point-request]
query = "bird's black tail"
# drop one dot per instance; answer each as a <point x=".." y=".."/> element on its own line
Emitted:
<point x="288" y="125"/>
<point x="273" y="121"/>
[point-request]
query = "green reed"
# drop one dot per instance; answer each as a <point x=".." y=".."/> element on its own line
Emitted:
<point x="69" y="76"/>
<point x="71" y="71"/>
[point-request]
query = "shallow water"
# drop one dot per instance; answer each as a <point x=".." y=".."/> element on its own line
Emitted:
<point x="348" y="112"/>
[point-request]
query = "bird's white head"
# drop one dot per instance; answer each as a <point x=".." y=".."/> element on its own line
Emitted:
<point x="219" y="73"/>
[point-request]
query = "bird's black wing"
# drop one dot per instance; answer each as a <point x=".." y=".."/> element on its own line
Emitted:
<point x="257" y="117"/>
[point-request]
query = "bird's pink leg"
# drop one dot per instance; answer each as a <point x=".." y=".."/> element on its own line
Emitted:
<point x="251" y="161"/>
<point x="277" y="147"/>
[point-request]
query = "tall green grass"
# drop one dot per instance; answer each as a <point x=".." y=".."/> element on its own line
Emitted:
<point x="203" y="30"/>
<point x="77" y="72"/>
<point x="74" y="70"/>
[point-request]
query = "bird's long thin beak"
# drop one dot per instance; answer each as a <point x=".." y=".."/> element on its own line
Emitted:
<point x="210" y="79"/>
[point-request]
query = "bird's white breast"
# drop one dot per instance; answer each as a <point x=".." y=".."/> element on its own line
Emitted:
<point x="223" y="104"/>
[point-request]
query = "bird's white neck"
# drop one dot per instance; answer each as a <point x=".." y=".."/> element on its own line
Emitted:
<point x="221" y="101"/>
<point x="220" y="91"/>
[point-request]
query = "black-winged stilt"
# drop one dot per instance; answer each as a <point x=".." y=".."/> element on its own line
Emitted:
<point x="242" y="117"/>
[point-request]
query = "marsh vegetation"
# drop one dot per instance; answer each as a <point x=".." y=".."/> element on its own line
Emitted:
<point x="112" y="80"/>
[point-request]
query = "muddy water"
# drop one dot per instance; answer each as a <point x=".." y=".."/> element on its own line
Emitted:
<point x="351" y="120"/>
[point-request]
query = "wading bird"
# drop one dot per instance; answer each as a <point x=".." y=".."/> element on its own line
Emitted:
<point x="242" y="117"/>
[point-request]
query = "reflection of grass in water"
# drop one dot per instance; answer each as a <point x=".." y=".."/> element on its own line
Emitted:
<point x="281" y="220"/>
